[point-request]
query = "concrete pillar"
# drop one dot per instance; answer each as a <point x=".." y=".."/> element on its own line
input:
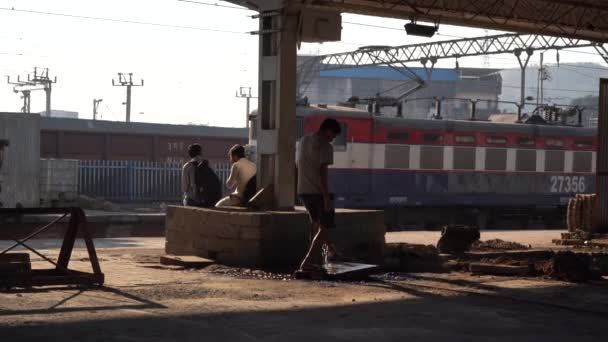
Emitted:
<point x="277" y="101"/>
<point x="601" y="172"/>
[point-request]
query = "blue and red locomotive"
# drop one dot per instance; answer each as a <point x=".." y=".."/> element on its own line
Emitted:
<point x="382" y="162"/>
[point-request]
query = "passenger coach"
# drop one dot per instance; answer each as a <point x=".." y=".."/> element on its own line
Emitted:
<point x="386" y="162"/>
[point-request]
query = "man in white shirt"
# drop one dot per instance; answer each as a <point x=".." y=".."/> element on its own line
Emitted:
<point x="314" y="155"/>
<point x="241" y="172"/>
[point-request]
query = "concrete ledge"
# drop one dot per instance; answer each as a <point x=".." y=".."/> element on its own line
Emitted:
<point x="270" y="238"/>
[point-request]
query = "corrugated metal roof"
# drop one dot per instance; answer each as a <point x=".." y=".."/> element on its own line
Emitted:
<point x="83" y="125"/>
<point x="386" y="73"/>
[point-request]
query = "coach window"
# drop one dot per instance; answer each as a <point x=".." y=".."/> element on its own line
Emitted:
<point x="554" y="143"/>
<point x="525" y="141"/>
<point x="554" y="161"/>
<point x="432" y="138"/>
<point x="397" y="136"/>
<point x="583" y="144"/>
<point x="582" y="162"/>
<point x="496" y="159"/>
<point x="431" y="157"/>
<point x="340" y="141"/>
<point x="464" y="158"/>
<point x="397" y="157"/>
<point x="464" y="139"/>
<point x="525" y="160"/>
<point x="496" y="140"/>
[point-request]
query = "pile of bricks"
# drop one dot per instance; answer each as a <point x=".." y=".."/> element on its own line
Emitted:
<point x="267" y="238"/>
<point x="581" y="212"/>
<point x="580" y="218"/>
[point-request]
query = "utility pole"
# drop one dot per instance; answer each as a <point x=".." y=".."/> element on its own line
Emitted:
<point x="42" y="78"/>
<point x="245" y="92"/>
<point x="486" y="45"/>
<point x="126" y="80"/>
<point x="523" y="63"/>
<point x="96" y="103"/>
<point x="23" y="87"/>
<point x="545" y="75"/>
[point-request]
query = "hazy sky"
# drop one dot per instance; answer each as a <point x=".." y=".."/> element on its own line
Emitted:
<point x="193" y="57"/>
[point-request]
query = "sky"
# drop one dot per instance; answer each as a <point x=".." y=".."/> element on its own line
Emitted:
<point x="192" y="56"/>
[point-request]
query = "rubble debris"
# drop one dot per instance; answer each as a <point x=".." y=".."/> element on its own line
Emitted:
<point x="186" y="261"/>
<point x="497" y="245"/>
<point x="569" y="242"/>
<point x="582" y="239"/>
<point x="568" y="266"/>
<point x="248" y="273"/>
<point x="412" y="258"/>
<point x="561" y="265"/>
<point x="457" y="239"/>
<point x="519" y="255"/>
<point x="500" y="269"/>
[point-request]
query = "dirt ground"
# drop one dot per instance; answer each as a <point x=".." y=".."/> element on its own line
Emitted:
<point x="144" y="301"/>
<point x="534" y="238"/>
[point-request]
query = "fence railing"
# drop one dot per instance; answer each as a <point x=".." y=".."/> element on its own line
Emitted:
<point x="135" y="180"/>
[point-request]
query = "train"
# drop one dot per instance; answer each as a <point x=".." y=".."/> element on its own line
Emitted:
<point x="111" y="140"/>
<point x="455" y="170"/>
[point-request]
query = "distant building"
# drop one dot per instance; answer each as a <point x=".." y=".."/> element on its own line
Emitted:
<point x="55" y="113"/>
<point x="485" y="85"/>
<point x="570" y="83"/>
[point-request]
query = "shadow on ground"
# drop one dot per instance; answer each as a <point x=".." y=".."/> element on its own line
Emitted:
<point x="124" y="301"/>
<point x="421" y="313"/>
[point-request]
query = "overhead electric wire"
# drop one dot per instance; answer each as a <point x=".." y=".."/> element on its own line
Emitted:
<point x="236" y="32"/>
<point x="75" y="16"/>
<point x="551" y="89"/>
<point x="581" y="73"/>
<point x="215" y="5"/>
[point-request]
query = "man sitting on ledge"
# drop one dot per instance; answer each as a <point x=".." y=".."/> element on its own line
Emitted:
<point x="241" y="172"/>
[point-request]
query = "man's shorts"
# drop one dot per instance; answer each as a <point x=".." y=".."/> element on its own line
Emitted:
<point x="316" y="209"/>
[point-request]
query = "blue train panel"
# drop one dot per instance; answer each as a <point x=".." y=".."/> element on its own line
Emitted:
<point x="358" y="188"/>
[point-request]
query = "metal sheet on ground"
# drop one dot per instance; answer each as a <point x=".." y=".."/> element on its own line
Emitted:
<point x="348" y="269"/>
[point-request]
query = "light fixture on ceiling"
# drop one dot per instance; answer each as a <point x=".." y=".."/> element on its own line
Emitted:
<point x="416" y="29"/>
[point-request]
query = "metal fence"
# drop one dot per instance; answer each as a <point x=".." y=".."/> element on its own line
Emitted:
<point x="126" y="180"/>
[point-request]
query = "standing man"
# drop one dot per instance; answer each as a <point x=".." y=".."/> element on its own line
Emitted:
<point x="314" y="155"/>
<point x="189" y="188"/>
<point x="241" y="172"/>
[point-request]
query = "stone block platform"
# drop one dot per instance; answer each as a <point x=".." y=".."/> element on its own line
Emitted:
<point x="268" y="238"/>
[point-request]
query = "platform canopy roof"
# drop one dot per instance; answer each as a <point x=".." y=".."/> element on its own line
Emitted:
<point x="584" y="19"/>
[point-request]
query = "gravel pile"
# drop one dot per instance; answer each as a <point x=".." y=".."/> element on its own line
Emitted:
<point x="497" y="245"/>
<point x="247" y="273"/>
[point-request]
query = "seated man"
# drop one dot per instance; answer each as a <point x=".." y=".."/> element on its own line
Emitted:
<point x="241" y="172"/>
<point x="200" y="184"/>
<point x="189" y="188"/>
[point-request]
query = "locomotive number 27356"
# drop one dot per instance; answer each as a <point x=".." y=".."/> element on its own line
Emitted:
<point x="568" y="184"/>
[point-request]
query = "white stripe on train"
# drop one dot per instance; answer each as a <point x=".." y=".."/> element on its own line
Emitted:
<point x="372" y="156"/>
